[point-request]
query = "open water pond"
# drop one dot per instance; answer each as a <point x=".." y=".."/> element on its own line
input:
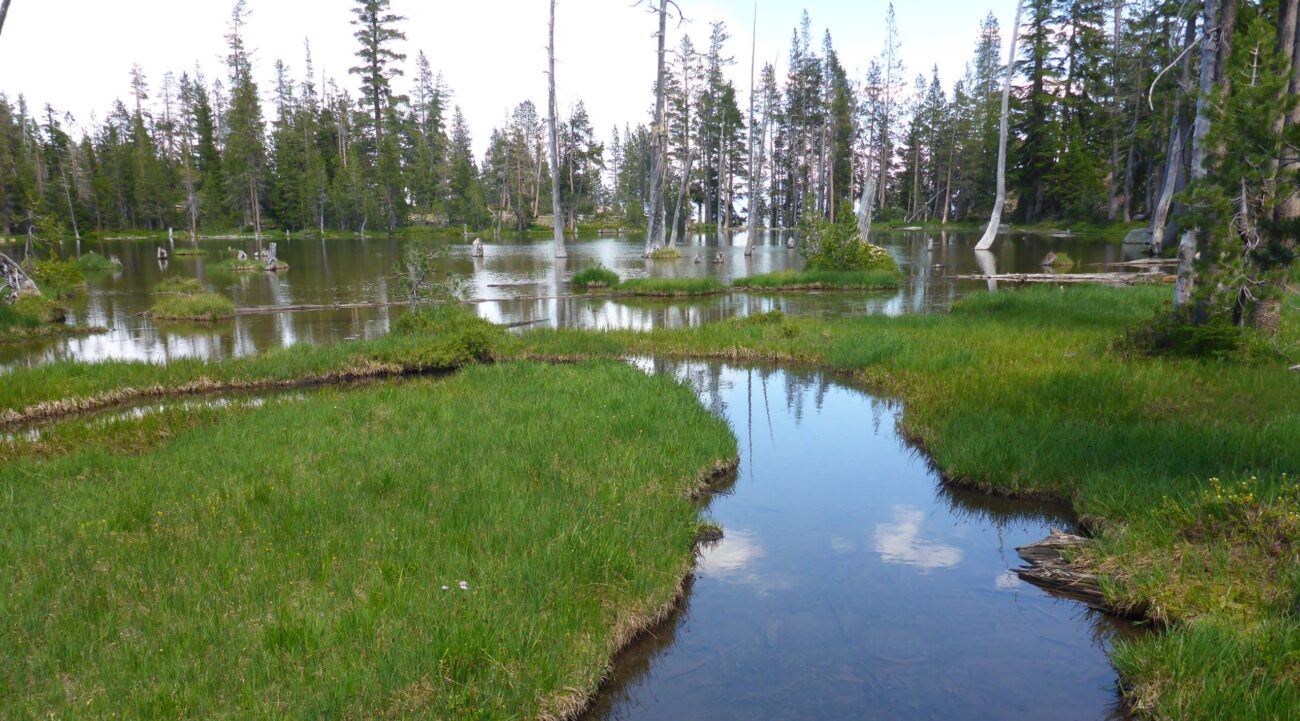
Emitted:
<point x="517" y="282"/>
<point x="853" y="584"/>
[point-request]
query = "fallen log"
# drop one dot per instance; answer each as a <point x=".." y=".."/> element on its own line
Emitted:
<point x="1118" y="279"/>
<point x="1048" y="569"/>
<point x="1146" y="263"/>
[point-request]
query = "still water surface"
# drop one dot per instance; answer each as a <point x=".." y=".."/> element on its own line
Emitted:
<point x="519" y="282"/>
<point x="853" y="584"/>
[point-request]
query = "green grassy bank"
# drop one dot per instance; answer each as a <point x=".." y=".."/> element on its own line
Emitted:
<point x="305" y="559"/>
<point x="1023" y="393"/>
<point x="794" y="280"/>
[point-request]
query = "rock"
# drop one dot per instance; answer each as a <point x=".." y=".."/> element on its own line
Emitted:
<point x="1138" y="236"/>
<point x="476" y="250"/>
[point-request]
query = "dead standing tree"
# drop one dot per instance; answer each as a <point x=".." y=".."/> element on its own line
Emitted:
<point x="4" y="10"/>
<point x="659" y="133"/>
<point x="753" y="195"/>
<point x="552" y="112"/>
<point x="991" y="233"/>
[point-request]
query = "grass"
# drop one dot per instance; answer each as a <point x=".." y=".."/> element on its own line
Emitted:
<point x="434" y="339"/>
<point x="667" y="253"/>
<point x="1063" y="260"/>
<point x="203" y="307"/>
<point x="96" y="263"/>
<point x="1021" y="393"/>
<point x="594" y="277"/>
<point x="34" y="318"/>
<point x="235" y="265"/>
<point x="820" y="280"/>
<point x="189" y="252"/>
<point x="670" y="287"/>
<point x="177" y="285"/>
<point x="304" y="560"/>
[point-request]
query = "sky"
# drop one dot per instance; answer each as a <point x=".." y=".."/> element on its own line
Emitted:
<point x="77" y="54"/>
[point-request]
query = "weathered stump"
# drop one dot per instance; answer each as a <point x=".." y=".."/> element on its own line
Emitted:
<point x="476" y="250"/>
<point x="162" y="254"/>
<point x="1049" y="569"/>
<point x="717" y="258"/>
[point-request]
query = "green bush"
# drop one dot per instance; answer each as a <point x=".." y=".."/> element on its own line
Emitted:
<point x="837" y="246"/>
<point x="58" y="278"/>
<point x="597" y="276"/>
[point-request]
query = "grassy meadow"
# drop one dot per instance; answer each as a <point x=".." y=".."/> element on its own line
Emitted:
<point x="305" y="559"/>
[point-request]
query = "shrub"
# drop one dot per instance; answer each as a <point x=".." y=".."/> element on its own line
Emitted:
<point x="58" y="278"/>
<point x="1178" y="332"/>
<point x="837" y="246"/>
<point x="597" y="276"/>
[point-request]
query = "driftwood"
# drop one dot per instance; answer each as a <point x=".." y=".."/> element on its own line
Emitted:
<point x="1049" y="569"/>
<point x="1147" y="263"/>
<point x="15" y="278"/>
<point x="1100" y="278"/>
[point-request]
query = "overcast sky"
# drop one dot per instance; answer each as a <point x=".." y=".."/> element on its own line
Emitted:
<point x="77" y="54"/>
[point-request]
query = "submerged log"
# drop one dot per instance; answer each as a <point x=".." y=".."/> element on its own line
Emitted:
<point x="1049" y="569"/>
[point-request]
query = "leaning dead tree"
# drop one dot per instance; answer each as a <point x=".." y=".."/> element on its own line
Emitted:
<point x="995" y="220"/>
<point x="557" y="223"/>
<point x="14" y="281"/>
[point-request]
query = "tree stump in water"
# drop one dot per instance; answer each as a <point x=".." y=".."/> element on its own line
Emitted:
<point x="1048" y="569"/>
<point x="717" y="259"/>
<point x="1050" y="260"/>
<point x="476" y="250"/>
<point x="16" y="279"/>
<point x="162" y="254"/>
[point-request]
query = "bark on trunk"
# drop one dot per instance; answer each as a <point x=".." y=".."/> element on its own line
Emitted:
<point x="655" y="232"/>
<point x="753" y="215"/>
<point x="1112" y="211"/>
<point x="1188" y="246"/>
<point x="866" y="207"/>
<point x="16" y="279"/>
<point x="681" y="194"/>
<point x="557" y="219"/>
<point x="995" y="220"/>
<point x="4" y="10"/>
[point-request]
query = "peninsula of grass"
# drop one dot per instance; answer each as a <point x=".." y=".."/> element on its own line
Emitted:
<point x="461" y="547"/>
<point x="1024" y="393"/>
<point x="801" y="280"/>
<point x="666" y="253"/>
<point x="594" y="278"/>
<point x="197" y="307"/>
<point x="96" y="263"/>
<point x="34" y="318"/>
<point x="670" y="287"/>
<point x="177" y="285"/>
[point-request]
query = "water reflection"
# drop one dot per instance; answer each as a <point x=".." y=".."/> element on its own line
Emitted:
<point x="853" y="584"/>
<point x="516" y="282"/>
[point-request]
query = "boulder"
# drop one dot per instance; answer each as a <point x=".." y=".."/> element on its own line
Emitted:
<point x="1138" y="236"/>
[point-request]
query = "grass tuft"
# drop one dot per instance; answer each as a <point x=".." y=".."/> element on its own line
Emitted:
<point x="594" y="277"/>
<point x="671" y="287"/>
<point x="794" y="280"/>
<point x="96" y="263"/>
<point x="201" y="307"/>
<point x="177" y="285"/>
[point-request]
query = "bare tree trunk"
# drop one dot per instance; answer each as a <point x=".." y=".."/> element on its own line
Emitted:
<point x="753" y="176"/>
<point x="557" y="220"/>
<point x="1268" y="313"/>
<point x="4" y="10"/>
<point x="1112" y="209"/>
<point x="655" y="233"/>
<point x="257" y="211"/>
<point x="995" y="220"/>
<point x="681" y="194"/>
<point x="867" y="206"/>
<point x="1187" y="247"/>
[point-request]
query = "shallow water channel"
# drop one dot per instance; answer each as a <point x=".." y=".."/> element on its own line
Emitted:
<point x="853" y="584"/>
<point x="519" y="281"/>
